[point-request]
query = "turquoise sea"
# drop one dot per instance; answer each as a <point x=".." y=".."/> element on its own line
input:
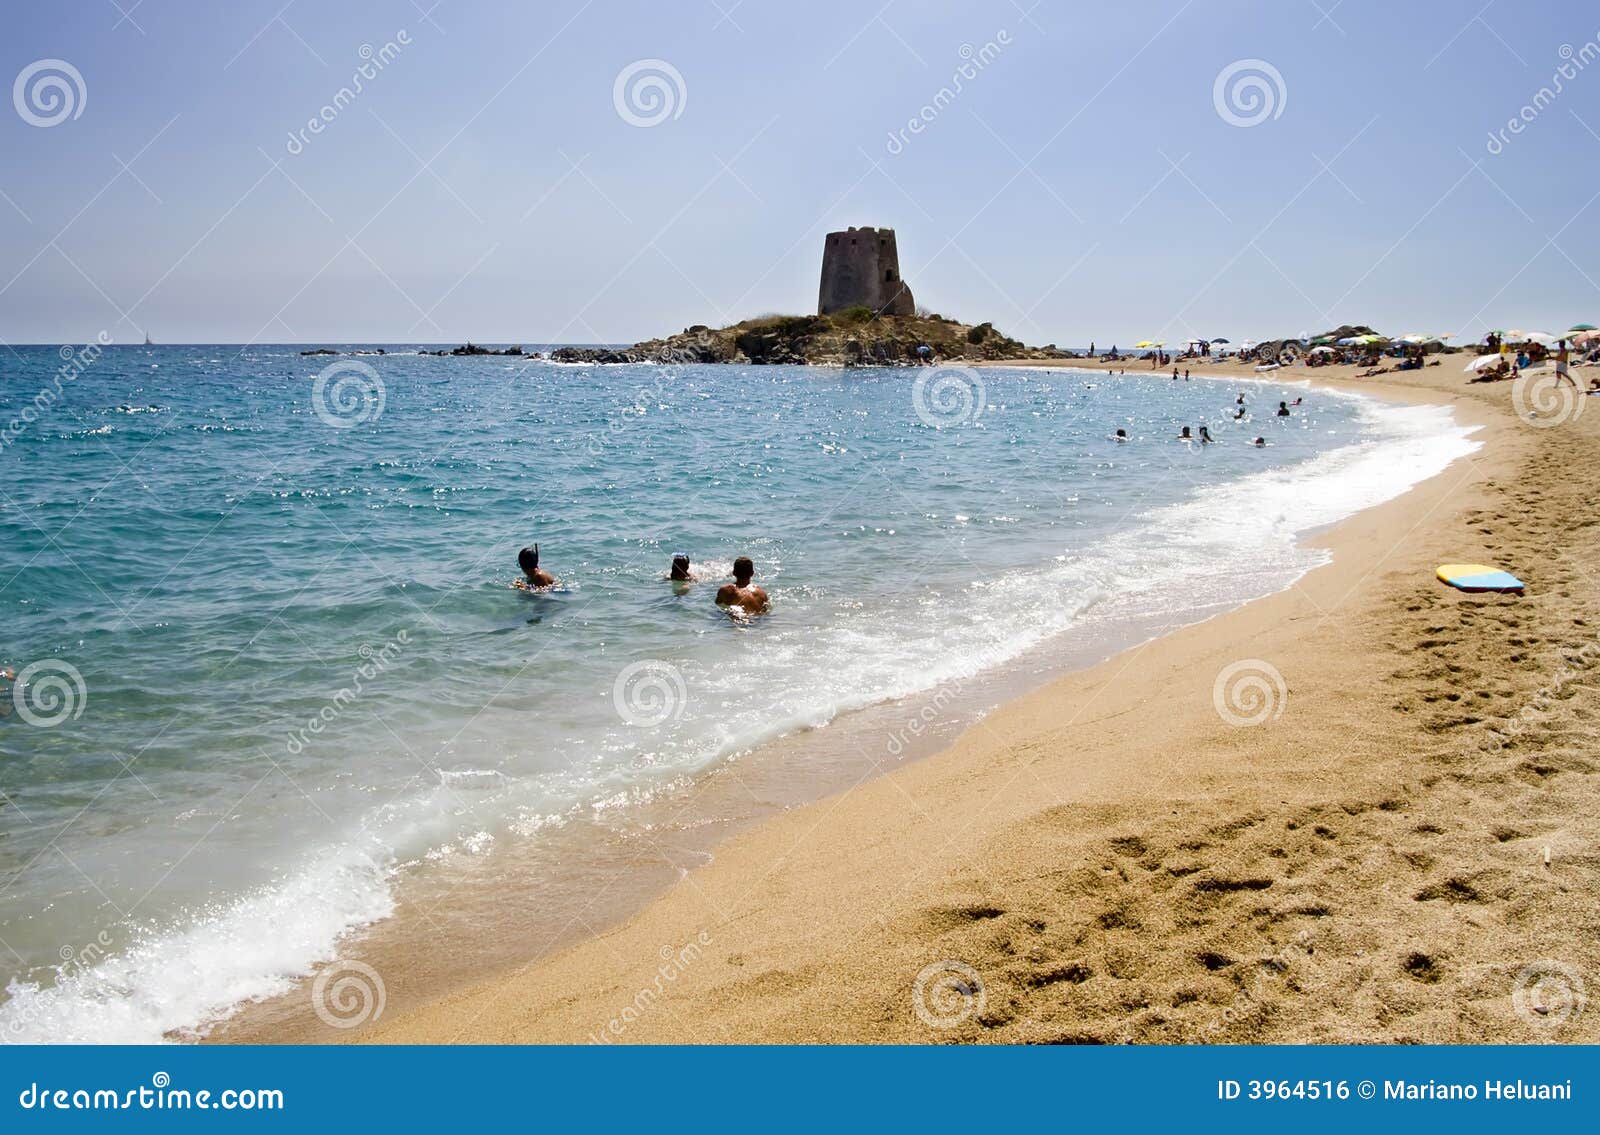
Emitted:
<point x="270" y="664"/>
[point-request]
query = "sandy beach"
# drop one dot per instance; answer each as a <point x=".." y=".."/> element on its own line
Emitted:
<point x="1368" y="851"/>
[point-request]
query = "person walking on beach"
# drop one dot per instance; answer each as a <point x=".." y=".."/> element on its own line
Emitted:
<point x="534" y="577"/>
<point x="741" y="594"/>
<point x="1562" y="358"/>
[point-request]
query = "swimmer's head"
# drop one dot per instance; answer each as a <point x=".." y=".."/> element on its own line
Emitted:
<point x="528" y="560"/>
<point x="743" y="569"/>
<point x="680" y="566"/>
<point x="1122" y="433"/>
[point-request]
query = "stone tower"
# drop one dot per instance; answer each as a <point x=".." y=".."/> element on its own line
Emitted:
<point x="861" y="268"/>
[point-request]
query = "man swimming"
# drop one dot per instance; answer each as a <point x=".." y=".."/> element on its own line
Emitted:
<point x="680" y="572"/>
<point x="741" y="593"/>
<point x="1185" y="435"/>
<point x="1122" y="435"/>
<point x="1283" y="409"/>
<point x="535" y="578"/>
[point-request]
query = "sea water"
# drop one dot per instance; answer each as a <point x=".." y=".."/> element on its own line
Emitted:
<point x="270" y="658"/>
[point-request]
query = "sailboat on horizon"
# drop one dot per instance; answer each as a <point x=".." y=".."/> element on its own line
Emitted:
<point x="147" y="341"/>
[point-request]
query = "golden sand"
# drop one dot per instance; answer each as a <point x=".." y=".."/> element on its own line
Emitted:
<point x="1110" y="860"/>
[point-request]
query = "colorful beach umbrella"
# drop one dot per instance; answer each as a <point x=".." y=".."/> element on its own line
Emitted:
<point x="1583" y="327"/>
<point x="1150" y="343"/>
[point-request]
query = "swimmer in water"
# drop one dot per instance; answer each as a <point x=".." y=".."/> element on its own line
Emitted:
<point x="1238" y="414"/>
<point x="1205" y="435"/>
<point x="1239" y="401"/>
<point x="1122" y="435"/>
<point x="741" y="594"/>
<point x="535" y="578"/>
<point x="1283" y="409"/>
<point x="1297" y="401"/>
<point x="680" y="572"/>
<point x="1260" y="443"/>
<point x="1184" y="435"/>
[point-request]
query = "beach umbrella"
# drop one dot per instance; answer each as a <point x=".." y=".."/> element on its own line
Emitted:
<point x="1321" y="350"/>
<point x="1586" y="336"/>
<point x="1247" y="345"/>
<point x="1360" y="340"/>
<point x="1583" y="327"/>
<point x="1150" y="343"/>
<point x="1219" y="340"/>
<point x="1517" y="335"/>
<point x="1481" y="361"/>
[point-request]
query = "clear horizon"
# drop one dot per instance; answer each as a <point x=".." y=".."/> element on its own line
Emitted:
<point x="606" y="175"/>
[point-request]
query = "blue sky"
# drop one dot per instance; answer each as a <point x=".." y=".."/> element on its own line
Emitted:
<point x="1083" y="184"/>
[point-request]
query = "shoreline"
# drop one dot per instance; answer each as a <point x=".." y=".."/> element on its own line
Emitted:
<point x="760" y="972"/>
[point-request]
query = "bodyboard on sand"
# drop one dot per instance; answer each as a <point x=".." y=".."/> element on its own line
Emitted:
<point x="1478" y="577"/>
